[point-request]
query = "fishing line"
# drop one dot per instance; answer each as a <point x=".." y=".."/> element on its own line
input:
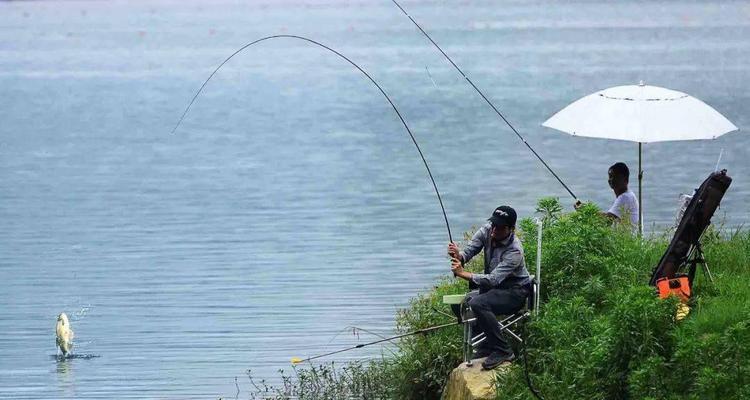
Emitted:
<point x="355" y="332"/>
<point x="497" y="111"/>
<point x="430" y="75"/>
<point x="719" y="160"/>
<point x="357" y="335"/>
<point x="388" y="339"/>
<point x="400" y="117"/>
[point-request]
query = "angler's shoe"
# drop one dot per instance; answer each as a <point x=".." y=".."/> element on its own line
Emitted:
<point x="497" y="358"/>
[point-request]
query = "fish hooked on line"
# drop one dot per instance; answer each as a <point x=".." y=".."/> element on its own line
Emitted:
<point x="64" y="335"/>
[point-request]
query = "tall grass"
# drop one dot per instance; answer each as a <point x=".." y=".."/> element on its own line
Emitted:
<point x="603" y="334"/>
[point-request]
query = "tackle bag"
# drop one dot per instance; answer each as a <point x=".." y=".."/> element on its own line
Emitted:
<point x="686" y="240"/>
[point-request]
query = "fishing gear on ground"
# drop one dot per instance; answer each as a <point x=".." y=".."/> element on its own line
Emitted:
<point x="675" y="273"/>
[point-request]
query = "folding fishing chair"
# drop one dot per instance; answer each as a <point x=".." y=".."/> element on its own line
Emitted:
<point x="507" y="323"/>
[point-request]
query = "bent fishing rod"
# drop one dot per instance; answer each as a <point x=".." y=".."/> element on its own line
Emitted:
<point x="296" y="360"/>
<point x="497" y="111"/>
<point x="400" y="117"/>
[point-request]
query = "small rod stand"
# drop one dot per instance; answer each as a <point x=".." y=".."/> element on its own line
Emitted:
<point x="698" y="257"/>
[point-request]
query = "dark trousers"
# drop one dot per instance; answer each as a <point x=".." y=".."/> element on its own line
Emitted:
<point x="486" y="306"/>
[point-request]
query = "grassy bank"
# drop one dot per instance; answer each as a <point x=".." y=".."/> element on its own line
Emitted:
<point x="601" y="333"/>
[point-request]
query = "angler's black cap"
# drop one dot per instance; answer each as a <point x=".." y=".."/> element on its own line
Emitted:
<point x="503" y="215"/>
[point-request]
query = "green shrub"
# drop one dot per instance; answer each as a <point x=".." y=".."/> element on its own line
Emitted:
<point x="602" y="333"/>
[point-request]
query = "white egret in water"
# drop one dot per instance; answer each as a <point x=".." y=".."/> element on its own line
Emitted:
<point x="64" y="334"/>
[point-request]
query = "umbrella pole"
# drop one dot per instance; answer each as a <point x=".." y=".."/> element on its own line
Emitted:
<point x="640" y="190"/>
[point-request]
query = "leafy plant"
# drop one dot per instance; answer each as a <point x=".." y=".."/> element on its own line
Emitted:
<point x="550" y="208"/>
<point x="601" y="333"/>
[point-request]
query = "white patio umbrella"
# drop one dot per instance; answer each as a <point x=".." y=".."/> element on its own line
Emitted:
<point x="643" y="114"/>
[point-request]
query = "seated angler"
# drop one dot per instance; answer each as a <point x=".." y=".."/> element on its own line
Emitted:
<point x="504" y="285"/>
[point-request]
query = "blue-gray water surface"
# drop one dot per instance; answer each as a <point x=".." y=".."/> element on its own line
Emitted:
<point x="291" y="204"/>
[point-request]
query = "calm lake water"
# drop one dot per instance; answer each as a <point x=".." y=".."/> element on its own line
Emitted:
<point x="291" y="204"/>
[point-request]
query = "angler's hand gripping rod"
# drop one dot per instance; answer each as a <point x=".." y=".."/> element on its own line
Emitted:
<point x="486" y="100"/>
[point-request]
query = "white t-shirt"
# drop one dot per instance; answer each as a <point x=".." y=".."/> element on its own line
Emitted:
<point x="626" y="204"/>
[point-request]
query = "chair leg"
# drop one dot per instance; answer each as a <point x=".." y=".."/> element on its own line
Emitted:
<point x="505" y="325"/>
<point x="478" y="339"/>
<point x="467" y="345"/>
<point x="470" y="341"/>
<point x="467" y="349"/>
<point x="514" y="321"/>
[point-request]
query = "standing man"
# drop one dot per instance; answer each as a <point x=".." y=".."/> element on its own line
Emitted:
<point x="625" y="208"/>
<point x="504" y="285"/>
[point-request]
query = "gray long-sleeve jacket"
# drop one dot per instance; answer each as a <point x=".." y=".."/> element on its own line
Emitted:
<point x="503" y="262"/>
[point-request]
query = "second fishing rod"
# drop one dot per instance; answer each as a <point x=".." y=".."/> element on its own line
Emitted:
<point x="487" y="100"/>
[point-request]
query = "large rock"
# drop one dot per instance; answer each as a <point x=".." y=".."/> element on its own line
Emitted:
<point x="472" y="383"/>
